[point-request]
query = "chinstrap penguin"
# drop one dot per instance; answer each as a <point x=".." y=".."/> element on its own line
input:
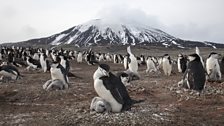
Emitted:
<point x="110" y="87"/>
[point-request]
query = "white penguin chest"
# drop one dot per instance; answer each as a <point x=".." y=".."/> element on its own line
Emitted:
<point x="56" y="74"/>
<point x="105" y="94"/>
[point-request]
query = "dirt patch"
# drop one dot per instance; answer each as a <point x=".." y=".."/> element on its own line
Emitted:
<point x="25" y="102"/>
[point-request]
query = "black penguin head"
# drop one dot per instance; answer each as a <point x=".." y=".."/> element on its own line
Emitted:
<point x="214" y="55"/>
<point x="194" y="57"/>
<point x="125" y="79"/>
<point x="104" y="69"/>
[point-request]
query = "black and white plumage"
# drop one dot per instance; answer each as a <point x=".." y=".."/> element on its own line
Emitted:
<point x="125" y="78"/>
<point x="110" y="87"/>
<point x="133" y="64"/>
<point x="197" y="51"/>
<point x="44" y="62"/>
<point x="212" y="67"/>
<point x="167" y="65"/>
<point x="54" y="85"/>
<point x="10" y="71"/>
<point x="32" y="63"/>
<point x="79" y="57"/>
<point x="90" y="58"/>
<point x="151" y="65"/>
<point x="126" y="61"/>
<point x="100" y="105"/>
<point x="59" y="72"/>
<point x="181" y="63"/>
<point x="65" y="63"/>
<point x="194" y="76"/>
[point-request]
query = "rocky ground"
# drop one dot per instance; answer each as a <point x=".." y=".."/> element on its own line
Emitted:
<point x="24" y="102"/>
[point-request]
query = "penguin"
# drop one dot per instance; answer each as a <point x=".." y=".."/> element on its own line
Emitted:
<point x="181" y="63"/>
<point x="222" y="65"/>
<point x="120" y="58"/>
<point x="116" y="60"/>
<point x="54" y="85"/>
<point x="59" y="72"/>
<point x="213" y="68"/>
<point x="167" y="65"/>
<point x="197" y="51"/>
<point x="101" y="57"/>
<point x="100" y="105"/>
<point x="125" y="79"/>
<point x="194" y="77"/>
<point x="126" y="60"/>
<point x="142" y="59"/>
<point x="79" y="57"/>
<point x="90" y="58"/>
<point x="108" y="57"/>
<point x="32" y="63"/>
<point x="110" y="87"/>
<point x="44" y="62"/>
<point x="132" y="64"/>
<point x="65" y="63"/>
<point x="10" y="56"/>
<point x="36" y="56"/>
<point x="10" y="71"/>
<point x="151" y="65"/>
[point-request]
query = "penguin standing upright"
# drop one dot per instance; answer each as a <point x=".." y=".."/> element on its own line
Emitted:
<point x="79" y="57"/>
<point x="167" y="65"/>
<point x="44" y="62"/>
<point x="212" y="67"/>
<point x="65" y="63"/>
<point x="151" y="65"/>
<point x="126" y="60"/>
<point x="132" y="64"/>
<point x="197" y="51"/>
<point x="181" y="63"/>
<point x="194" y="76"/>
<point x="58" y="72"/>
<point x="110" y="88"/>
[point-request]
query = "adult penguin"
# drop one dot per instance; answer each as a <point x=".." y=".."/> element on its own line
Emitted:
<point x="151" y="65"/>
<point x="194" y="76"/>
<point x="167" y="65"/>
<point x="213" y="68"/>
<point x="9" y="71"/>
<point x="32" y="63"/>
<point x="59" y="72"/>
<point x="44" y="62"/>
<point x="132" y="64"/>
<point x="181" y="63"/>
<point x="198" y="52"/>
<point x="110" y="88"/>
<point x="79" y="57"/>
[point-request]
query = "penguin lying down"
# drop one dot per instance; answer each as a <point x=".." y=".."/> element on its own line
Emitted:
<point x="127" y="76"/>
<point x="54" y="85"/>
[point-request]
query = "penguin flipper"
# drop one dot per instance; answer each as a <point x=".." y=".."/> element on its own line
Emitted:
<point x="113" y="90"/>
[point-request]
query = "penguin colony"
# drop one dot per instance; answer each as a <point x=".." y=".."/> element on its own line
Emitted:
<point x="109" y="85"/>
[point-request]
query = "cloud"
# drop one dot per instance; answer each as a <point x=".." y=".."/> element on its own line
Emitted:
<point x="189" y="30"/>
<point x="125" y="14"/>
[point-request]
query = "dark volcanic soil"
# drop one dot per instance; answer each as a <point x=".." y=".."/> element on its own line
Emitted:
<point x="24" y="102"/>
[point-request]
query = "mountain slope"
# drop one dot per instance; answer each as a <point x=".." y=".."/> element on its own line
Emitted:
<point x="104" y="32"/>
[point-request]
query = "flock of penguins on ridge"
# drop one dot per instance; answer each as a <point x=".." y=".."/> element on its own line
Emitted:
<point x="111" y="88"/>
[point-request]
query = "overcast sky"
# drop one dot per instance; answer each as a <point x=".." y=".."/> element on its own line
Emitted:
<point x="187" y="19"/>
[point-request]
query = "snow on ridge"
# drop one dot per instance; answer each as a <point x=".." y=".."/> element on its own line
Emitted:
<point x="57" y="39"/>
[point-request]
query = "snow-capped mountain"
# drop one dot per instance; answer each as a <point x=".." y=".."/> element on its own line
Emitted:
<point x="105" y="32"/>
